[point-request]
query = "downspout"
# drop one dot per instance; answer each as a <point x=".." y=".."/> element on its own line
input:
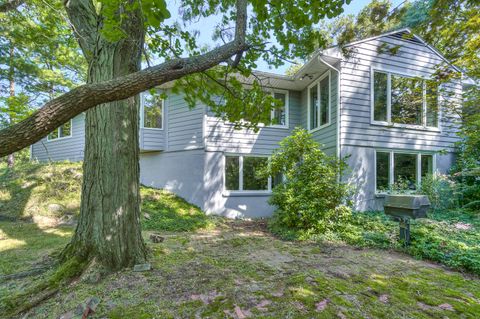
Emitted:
<point x="338" y="103"/>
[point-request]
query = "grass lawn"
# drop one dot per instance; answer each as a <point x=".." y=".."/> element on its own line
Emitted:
<point x="238" y="270"/>
<point x="215" y="268"/>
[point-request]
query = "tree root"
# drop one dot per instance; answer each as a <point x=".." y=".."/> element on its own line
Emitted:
<point x="23" y="274"/>
<point x="63" y="275"/>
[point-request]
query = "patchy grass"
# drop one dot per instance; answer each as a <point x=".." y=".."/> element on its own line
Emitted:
<point x="449" y="237"/>
<point x="50" y="193"/>
<point x="237" y="270"/>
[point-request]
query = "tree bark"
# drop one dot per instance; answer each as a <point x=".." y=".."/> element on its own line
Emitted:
<point x="109" y="225"/>
<point x="11" y="79"/>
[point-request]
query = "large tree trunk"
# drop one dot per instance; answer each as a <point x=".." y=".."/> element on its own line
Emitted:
<point x="11" y="79"/>
<point x="109" y="226"/>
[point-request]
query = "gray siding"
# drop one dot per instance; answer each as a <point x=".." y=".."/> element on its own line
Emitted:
<point x="221" y="136"/>
<point x="184" y="125"/>
<point x="152" y="139"/>
<point x="326" y="136"/>
<point x="412" y="58"/>
<point x="70" y="148"/>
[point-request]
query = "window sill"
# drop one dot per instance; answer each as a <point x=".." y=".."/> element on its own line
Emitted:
<point x="319" y="128"/>
<point x="406" y="126"/>
<point x="246" y="193"/>
<point x="58" y="139"/>
<point x="152" y="128"/>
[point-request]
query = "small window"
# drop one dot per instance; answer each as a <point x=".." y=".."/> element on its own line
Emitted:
<point x="232" y="173"/>
<point x="251" y="165"/>
<point x="279" y="115"/>
<point x="431" y="93"/>
<point x="152" y="111"/>
<point x="405" y="170"/>
<point x="383" y="170"/>
<point x="241" y="173"/>
<point x="319" y="103"/>
<point x="380" y="96"/>
<point x="426" y="165"/>
<point x="62" y="131"/>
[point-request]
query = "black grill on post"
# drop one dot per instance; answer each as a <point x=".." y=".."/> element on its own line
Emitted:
<point x="402" y="208"/>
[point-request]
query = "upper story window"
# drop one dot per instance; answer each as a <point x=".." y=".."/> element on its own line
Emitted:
<point x="279" y="115"/>
<point x="151" y="111"/>
<point x="404" y="100"/>
<point x="62" y="131"/>
<point x="319" y="103"/>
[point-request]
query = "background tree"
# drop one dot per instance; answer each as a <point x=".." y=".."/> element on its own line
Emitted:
<point x="39" y="59"/>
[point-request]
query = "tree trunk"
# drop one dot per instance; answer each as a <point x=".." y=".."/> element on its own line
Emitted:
<point x="11" y="79"/>
<point x="109" y="225"/>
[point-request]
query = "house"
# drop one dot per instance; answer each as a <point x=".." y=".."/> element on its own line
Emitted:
<point x="375" y="102"/>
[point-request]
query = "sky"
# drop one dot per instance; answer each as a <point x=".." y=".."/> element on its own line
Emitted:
<point x="205" y="27"/>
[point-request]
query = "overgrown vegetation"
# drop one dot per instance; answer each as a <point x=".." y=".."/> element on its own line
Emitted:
<point x="310" y="197"/>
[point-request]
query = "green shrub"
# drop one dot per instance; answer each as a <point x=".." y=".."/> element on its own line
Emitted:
<point x="441" y="191"/>
<point x="310" y="197"/>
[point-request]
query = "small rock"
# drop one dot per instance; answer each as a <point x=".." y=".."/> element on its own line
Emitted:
<point x="55" y="208"/>
<point x="142" y="267"/>
<point x="156" y="238"/>
<point x="446" y="306"/>
<point x="68" y="315"/>
<point x="341" y="315"/>
<point x="383" y="298"/>
<point x="146" y="216"/>
<point x="320" y="306"/>
<point x="262" y="306"/>
<point x="463" y="226"/>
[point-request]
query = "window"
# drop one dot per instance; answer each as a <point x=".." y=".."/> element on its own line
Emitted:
<point x="401" y="168"/>
<point x="319" y="103"/>
<point x="404" y="100"/>
<point x="62" y="131"/>
<point x="280" y="114"/>
<point x="241" y="173"/>
<point x="152" y="111"/>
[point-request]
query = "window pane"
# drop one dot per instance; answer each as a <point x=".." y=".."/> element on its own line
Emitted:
<point x="313" y="107"/>
<point x="383" y="169"/>
<point x="65" y="130"/>
<point x="279" y="115"/>
<point x="405" y="170"/>
<point x="380" y="96"/>
<point x="407" y="100"/>
<point x="432" y="103"/>
<point x="152" y="111"/>
<point x="427" y="165"/>
<point x="53" y="135"/>
<point x="232" y="173"/>
<point x="250" y="167"/>
<point x="324" y="101"/>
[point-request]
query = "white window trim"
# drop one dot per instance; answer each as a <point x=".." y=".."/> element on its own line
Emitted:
<point x="242" y="192"/>
<point x="63" y="137"/>
<point x="142" y="117"/>
<point x="287" y="109"/>
<point x="389" y="122"/>
<point x="316" y="83"/>
<point x="391" y="173"/>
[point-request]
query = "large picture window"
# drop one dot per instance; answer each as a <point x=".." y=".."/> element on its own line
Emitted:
<point x="404" y="100"/>
<point x="404" y="170"/>
<point x="319" y="103"/>
<point x="152" y="111"/>
<point x="241" y="173"/>
<point x="62" y="131"/>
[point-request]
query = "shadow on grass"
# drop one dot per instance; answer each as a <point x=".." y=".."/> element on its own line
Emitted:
<point x="163" y="210"/>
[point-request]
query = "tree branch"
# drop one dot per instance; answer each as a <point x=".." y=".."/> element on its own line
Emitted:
<point x="61" y="109"/>
<point x="84" y="19"/>
<point x="10" y="5"/>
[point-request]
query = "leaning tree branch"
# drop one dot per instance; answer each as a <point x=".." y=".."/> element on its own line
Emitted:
<point x="10" y="5"/>
<point x="63" y="108"/>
